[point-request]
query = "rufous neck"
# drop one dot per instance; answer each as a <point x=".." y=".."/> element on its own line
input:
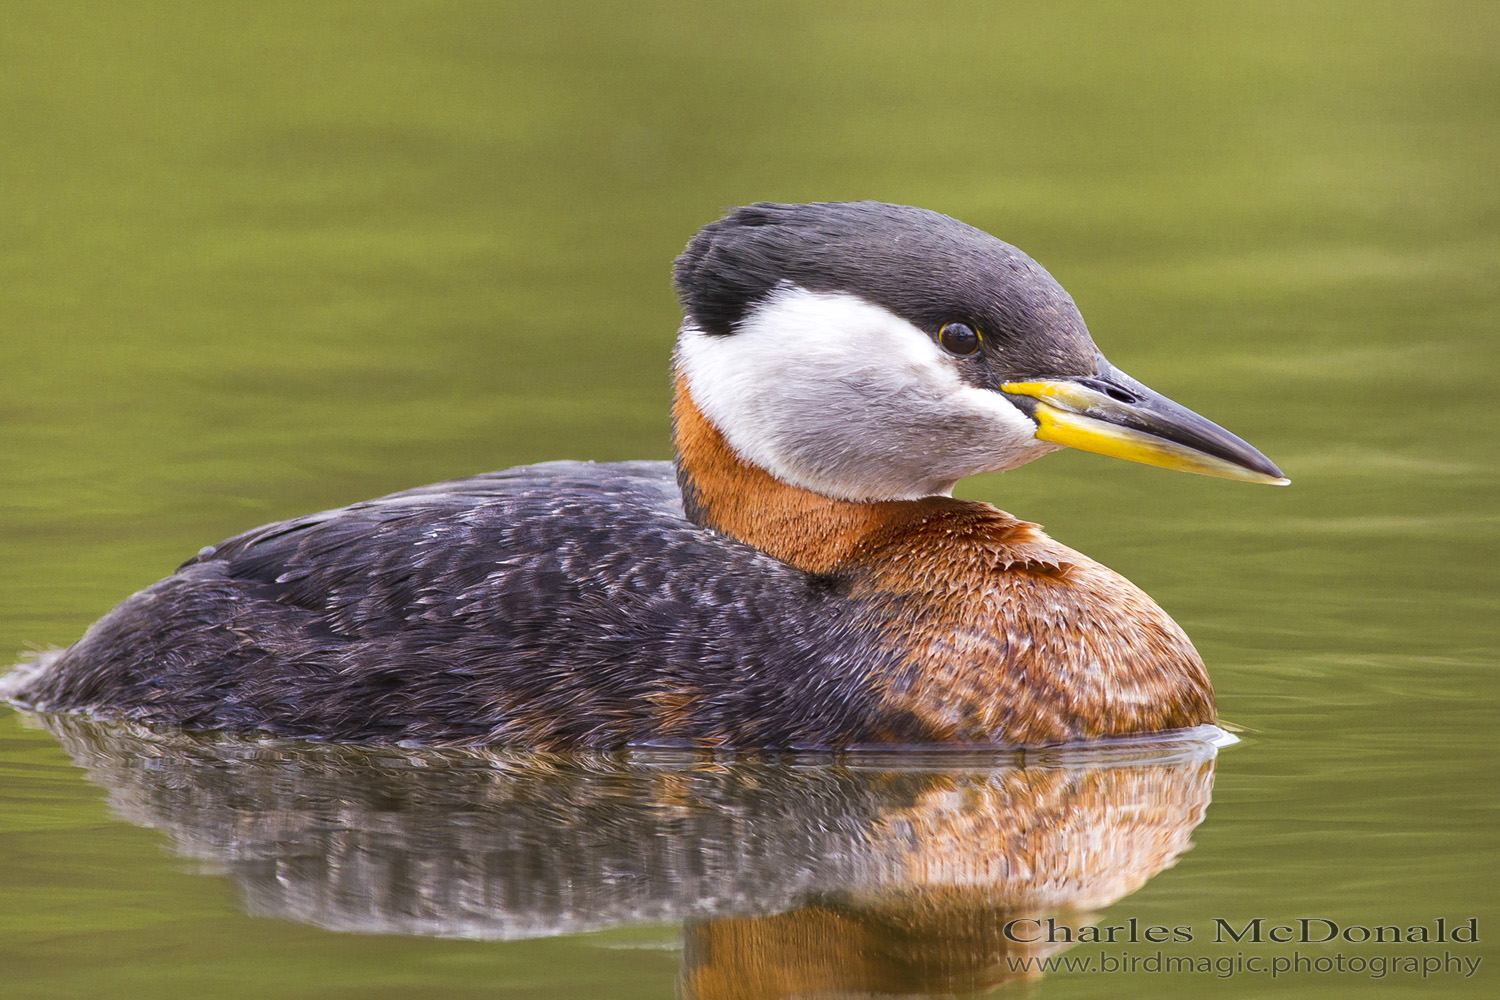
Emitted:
<point x="812" y="532"/>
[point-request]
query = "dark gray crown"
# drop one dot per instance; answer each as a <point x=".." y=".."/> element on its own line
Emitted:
<point x="925" y="267"/>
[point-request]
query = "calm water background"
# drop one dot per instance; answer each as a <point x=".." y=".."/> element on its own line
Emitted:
<point x="262" y="259"/>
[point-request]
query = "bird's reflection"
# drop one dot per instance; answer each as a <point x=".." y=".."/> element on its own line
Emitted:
<point x="865" y="873"/>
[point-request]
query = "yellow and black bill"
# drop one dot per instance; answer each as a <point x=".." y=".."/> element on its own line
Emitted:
<point x="1112" y="414"/>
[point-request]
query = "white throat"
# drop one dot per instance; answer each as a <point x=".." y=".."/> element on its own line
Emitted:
<point x="834" y="394"/>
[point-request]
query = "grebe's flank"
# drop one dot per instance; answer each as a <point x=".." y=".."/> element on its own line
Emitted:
<point x="800" y="577"/>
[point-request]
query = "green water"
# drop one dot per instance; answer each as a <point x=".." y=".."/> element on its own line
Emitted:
<point x="263" y="259"/>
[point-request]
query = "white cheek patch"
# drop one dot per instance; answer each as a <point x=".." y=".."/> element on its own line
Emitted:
<point x="840" y="396"/>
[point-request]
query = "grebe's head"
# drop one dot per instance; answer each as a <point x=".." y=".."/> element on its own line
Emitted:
<point x="879" y="352"/>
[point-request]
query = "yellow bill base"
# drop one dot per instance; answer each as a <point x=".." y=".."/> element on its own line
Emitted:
<point x="1088" y="434"/>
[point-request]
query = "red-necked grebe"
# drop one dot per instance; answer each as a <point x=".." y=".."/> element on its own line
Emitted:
<point x="801" y="577"/>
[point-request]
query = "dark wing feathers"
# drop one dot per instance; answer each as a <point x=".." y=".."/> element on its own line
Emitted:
<point x="550" y="604"/>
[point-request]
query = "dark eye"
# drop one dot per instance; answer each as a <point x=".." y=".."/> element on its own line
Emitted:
<point x="959" y="339"/>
